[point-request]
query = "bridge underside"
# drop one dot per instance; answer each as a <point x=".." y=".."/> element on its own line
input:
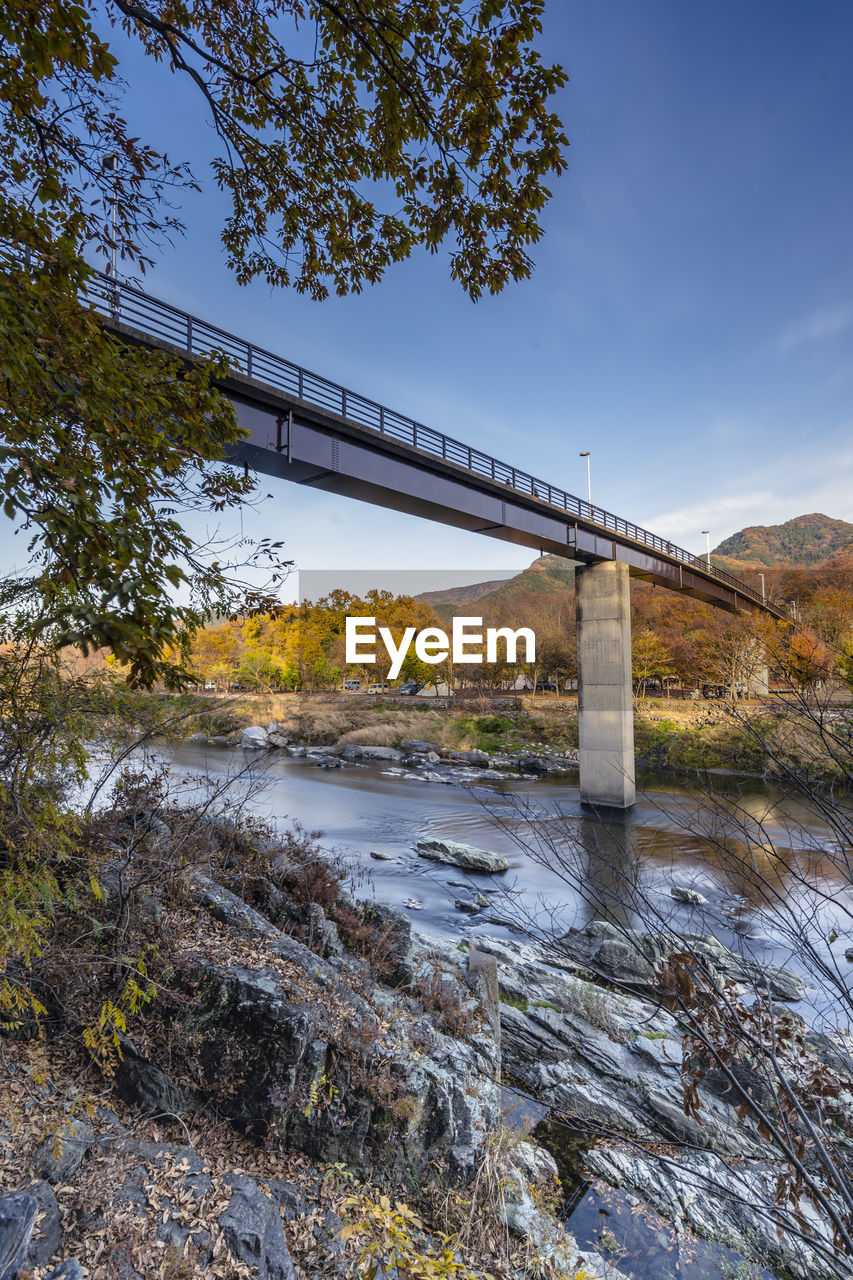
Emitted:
<point x="283" y="443"/>
<point x="308" y="443"/>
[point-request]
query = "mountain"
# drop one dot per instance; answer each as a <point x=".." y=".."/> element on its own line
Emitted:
<point x="803" y="541"/>
<point x="547" y="575"/>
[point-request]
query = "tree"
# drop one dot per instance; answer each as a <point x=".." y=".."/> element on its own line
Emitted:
<point x="348" y="137"/>
<point x="649" y="658"/>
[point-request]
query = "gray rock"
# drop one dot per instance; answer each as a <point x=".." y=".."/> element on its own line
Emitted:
<point x="464" y="904"/>
<point x="382" y="856"/>
<point x="48" y="1235"/>
<point x="395" y="930"/>
<point x="721" y="1201"/>
<point x="635" y="959"/>
<point x="255" y="738"/>
<point x="289" y="1197"/>
<point x="415" y="745"/>
<point x="253" y="1232"/>
<point x="18" y="1212"/>
<point x="60" y="1155"/>
<point x="275" y="738"/>
<point x="455" y="854"/>
<point x="472" y="757"/>
<point x="690" y="897"/>
<point x="532" y="764"/>
<point x="355" y="752"/>
<point x="609" y="1059"/>
<point x="144" y="1085"/>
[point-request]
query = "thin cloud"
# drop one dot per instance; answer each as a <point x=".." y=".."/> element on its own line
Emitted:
<point x="721" y="516"/>
<point x="818" y="326"/>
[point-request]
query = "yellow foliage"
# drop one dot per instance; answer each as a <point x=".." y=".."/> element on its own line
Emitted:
<point x="392" y="1236"/>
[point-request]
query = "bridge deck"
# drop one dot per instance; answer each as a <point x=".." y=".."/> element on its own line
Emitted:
<point x="305" y="428"/>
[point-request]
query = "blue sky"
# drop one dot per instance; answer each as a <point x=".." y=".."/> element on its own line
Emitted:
<point x="690" y="320"/>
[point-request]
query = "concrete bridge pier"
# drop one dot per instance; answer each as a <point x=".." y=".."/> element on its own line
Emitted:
<point x="605" y="691"/>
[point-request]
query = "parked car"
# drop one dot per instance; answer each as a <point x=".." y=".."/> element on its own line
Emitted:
<point x="410" y="687"/>
<point x="210" y="686"/>
<point x="378" y="688"/>
<point x="546" y="686"/>
<point x="351" y="686"/>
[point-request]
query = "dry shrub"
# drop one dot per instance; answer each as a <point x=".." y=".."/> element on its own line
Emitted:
<point x="380" y="735"/>
<point x="443" y="1000"/>
<point x="366" y="939"/>
<point x="303" y="871"/>
<point x="471" y="1215"/>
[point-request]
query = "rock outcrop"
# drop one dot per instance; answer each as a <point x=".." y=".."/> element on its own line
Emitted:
<point x="613" y="1062"/>
<point x="455" y="854"/>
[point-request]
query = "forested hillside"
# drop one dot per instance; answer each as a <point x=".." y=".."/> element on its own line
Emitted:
<point x="805" y="540"/>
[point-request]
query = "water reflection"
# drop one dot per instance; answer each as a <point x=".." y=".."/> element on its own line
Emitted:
<point x="611" y="871"/>
<point x="569" y="865"/>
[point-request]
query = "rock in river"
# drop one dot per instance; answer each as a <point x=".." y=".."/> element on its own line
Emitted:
<point x="455" y="854"/>
<point x="690" y="897"/>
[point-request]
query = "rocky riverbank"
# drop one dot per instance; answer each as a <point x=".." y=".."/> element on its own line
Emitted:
<point x="613" y="1063"/>
<point x="531" y="736"/>
<point x="298" y="1063"/>
<point x="414" y="760"/>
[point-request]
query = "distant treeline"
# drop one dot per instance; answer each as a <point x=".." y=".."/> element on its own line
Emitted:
<point x="676" y="641"/>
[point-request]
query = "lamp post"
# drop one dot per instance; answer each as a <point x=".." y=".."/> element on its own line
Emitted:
<point x="584" y="453"/>
<point x="111" y="167"/>
<point x="763" y="593"/>
<point x="707" y="533"/>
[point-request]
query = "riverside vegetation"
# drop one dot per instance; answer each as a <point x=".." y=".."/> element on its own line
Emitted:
<point x="762" y="738"/>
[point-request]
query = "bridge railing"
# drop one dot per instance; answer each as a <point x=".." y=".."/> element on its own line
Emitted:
<point x="127" y="305"/>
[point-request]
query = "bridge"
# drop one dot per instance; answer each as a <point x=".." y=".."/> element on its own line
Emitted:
<point x="304" y="428"/>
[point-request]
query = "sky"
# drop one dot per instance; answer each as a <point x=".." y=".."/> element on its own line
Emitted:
<point x="689" y="320"/>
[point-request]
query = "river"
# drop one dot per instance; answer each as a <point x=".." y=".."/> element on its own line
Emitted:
<point x="368" y="809"/>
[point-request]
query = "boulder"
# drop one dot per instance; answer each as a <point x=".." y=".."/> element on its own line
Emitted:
<point x="48" y="1235"/>
<point x="532" y="764"/>
<point x="144" y="1085"/>
<point x="455" y="854"/>
<point x="690" y="897"/>
<point x="253" y="1232"/>
<point x="415" y="745"/>
<point x="634" y="959"/>
<point x="255" y="738"/>
<point x="250" y="1222"/>
<point x="61" y="1154"/>
<point x="18" y="1211"/>
<point x="721" y="1201"/>
<point x="353" y="751"/>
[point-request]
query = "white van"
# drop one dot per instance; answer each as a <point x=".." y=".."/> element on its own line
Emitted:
<point x="351" y="686"/>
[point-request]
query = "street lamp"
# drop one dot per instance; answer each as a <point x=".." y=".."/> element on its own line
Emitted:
<point x="110" y="166"/>
<point x="763" y="594"/>
<point x="707" y="533"/>
<point x="584" y="453"/>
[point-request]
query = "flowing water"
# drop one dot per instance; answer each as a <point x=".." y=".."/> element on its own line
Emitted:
<point x="364" y="809"/>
